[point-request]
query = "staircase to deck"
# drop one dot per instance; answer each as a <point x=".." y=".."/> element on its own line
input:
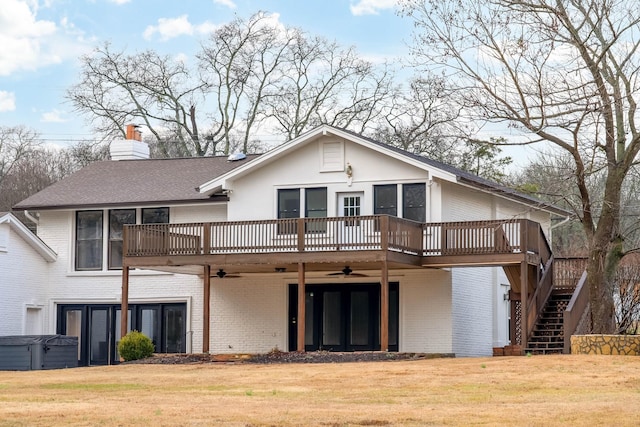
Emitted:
<point x="555" y="302"/>
<point x="547" y="336"/>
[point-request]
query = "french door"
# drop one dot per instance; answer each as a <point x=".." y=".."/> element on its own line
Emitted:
<point x="343" y="317"/>
<point x="97" y="327"/>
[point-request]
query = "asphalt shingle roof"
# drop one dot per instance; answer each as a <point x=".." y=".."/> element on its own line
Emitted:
<point x="136" y="182"/>
<point x="164" y="181"/>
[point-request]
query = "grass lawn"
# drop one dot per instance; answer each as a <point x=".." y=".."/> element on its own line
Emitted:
<point x="523" y="391"/>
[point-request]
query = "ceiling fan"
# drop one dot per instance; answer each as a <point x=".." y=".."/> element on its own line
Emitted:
<point x="347" y="271"/>
<point x="222" y="274"/>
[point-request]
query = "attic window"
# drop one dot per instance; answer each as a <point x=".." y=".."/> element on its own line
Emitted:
<point x="331" y="156"/>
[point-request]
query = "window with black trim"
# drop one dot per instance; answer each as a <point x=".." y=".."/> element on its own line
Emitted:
<point x="117" y="219"/>
<point x="414" y="202"/>
<point x="91" y="232"/>
<point x="89" y="240"/>
<point x="155" y="215"/>
<point x="385" y="199"/>
<point x="316" y="207"/>
<point x="288" y="207"/>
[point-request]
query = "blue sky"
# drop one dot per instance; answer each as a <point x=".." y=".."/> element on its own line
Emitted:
<point x="41" y="41"/>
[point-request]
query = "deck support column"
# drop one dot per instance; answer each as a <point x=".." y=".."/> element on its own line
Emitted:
<point x="384" y="307"/>
<point x="206" y="309"/>
<point x="524" y="303"/>
<point x="301" y="306"/>
<point x="124" y="302"/>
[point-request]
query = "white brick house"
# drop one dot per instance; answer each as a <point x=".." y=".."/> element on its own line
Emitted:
<point x="24" y="260"/>
<point x="336" y="184"/>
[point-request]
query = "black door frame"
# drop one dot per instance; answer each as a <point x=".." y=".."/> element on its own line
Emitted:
<point x="113" y="335"/>
<point x="346" y="289"/>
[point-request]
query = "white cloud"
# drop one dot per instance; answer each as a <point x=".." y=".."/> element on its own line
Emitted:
<point x="54" y="116"/>
<point x="7" y="101"/>
<point x="371" y="7"/>
<point x="169" y="28"/>
<point x="22" y="37"/>
<point x="29" y="43"/>
<point x="228" y="3"/>
<point x="119" y="1"/>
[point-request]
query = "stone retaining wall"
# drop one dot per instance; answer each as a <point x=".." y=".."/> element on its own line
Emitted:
<point x="628" y="345"/>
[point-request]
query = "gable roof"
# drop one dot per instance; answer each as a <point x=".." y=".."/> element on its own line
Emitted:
<point x="435" y="168"/>
<point x="34" y="241"/>
<point x="133" y="182"/>
<point x="202" y="179"/>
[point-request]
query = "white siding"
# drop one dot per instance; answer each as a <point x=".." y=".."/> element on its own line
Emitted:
<point x="254" y="196"/>
<point x="473" y="311"/>
<point x="23" y="276"/>
<point x="198" y="213"/>
<point x="473" y="289"/>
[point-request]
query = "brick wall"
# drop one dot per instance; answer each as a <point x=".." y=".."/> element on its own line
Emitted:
<point x="425" y="312"/>
<point x="248" y="315"/>
<point x="22" y="284"/>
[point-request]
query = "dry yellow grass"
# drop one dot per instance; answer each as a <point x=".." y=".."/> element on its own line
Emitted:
<point x="538" y="390"/>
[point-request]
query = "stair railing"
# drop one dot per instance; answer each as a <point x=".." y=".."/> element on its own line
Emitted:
<point x="540" y="296"/>
<point x="574" y="311"/>
<point x="544" y="276"/>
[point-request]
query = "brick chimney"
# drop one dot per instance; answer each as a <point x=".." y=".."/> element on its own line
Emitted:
<point x="131" y="148"/>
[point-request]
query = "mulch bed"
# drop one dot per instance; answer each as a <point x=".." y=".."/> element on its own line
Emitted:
<point x="284" y="357"/>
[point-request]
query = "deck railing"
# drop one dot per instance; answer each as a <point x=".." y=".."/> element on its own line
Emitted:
<point x="374" y="232"/>
<point x="574" y="311"/>
<point x="567" y="273"/>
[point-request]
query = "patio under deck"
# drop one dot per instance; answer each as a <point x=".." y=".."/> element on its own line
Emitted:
<point x="329" y="244"/>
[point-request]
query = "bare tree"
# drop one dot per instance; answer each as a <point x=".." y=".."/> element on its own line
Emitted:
<point x="549" y="176"/>
<point x="240" y="65"/>
<point x="328" y="84"/>
<point x="423" y="120"/>
<point x="564" y="72"/>
<point x="16" y="144"/>
<point x="116" y="89"/>
<point x="44" y="166"/>
<point x="254" y="76"/>
<point x="627" y="297"/>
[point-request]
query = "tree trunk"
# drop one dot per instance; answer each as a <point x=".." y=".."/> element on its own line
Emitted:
<point x="603" y="262"/>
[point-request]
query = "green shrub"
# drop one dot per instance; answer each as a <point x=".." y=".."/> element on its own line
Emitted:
<point x="135" y="345"/>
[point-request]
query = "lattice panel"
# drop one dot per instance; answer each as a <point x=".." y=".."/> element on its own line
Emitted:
<point x="517" y="313"/>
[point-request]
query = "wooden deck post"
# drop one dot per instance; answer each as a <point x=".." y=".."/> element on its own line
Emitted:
<point x="206" y="307"/>
<point x="206" y="238"/>
<point x="301" y="305"/>
<point x="124" y="302"/>
<point x="384" y="307"/>
<point x="524" y="302"/>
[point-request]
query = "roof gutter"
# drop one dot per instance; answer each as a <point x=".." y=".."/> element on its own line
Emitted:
<point x="32" y="218"/>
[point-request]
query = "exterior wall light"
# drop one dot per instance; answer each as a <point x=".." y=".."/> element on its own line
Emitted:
<point x="349" y="172"/>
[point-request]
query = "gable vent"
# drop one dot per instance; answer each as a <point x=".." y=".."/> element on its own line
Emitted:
<point x="332" y="156"/>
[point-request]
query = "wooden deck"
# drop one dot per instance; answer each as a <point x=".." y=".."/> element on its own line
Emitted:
<point x="379" y="242"/>
<point x="260" y="245"/>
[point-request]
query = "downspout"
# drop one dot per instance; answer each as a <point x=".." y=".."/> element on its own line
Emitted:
<point x="32" y="218"/>
<point x="564" y="221"/>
